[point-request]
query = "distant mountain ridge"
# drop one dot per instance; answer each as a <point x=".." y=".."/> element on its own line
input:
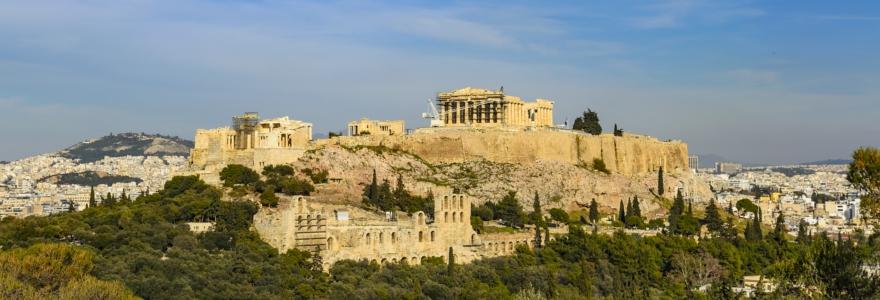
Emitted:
<point x="124" y="144"/>
<point x="837" y="161"/>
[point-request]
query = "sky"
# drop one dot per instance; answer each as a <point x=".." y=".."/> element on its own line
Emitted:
<point x="755" y="82"/>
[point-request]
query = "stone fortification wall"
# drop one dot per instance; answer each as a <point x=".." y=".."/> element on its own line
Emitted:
<point x="341" y="232"/>
<point x="627" y="155"/>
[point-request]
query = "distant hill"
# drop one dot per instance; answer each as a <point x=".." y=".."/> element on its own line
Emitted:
<point x="839" y="161"/>
<point x="88" y="178"/>
<point x="123" y="144"/>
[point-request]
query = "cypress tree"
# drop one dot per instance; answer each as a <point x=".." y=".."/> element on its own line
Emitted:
<point x="802" y="235"/>
<point x="546" y="235"/>
<point x="371" y="195"/>
<point x="636" y="208"/>
<point x="621" y="213"/>
<point x="92" y="201"/>
<point x="629" y="209"/>
<point x="660" y="188"/>
<point x="450" y="267"/>
<point x="594" y="211"/>
<point x="675" y="212"/>
<point x="400" y="196"/>
<point x="536" y="206"/>
<point x="713" y="218"/>
<point x="779" y="229"/>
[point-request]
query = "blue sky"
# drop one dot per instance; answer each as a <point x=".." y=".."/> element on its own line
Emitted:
<point x="780" y="81"/>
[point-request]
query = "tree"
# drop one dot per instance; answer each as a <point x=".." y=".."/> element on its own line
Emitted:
<point x="660" y="188"/>
<point x="636" y="207"/>
<point x="713" y="218"/>
<point x="450" y="267"/>
<point x="92" y="201"/>
<point x="268" y="198"/>
<point x="588" y="123"/>
<point x="753" y="229"/>
<point x="538" y="219"/>
<point x="559" y="215"/>
<point x="594" y="211"/>
<point x="621" y="213"/>
<point x="802" y="235"/>
<point x="864" y="174"/>
<point x="729" y="230"/>
<point x="371" y="192"/>
<point x="109" y="201"/>
<point x="509" y="211"/>
<point x="779" y="229"/>
<point x="233" y="175"/>
<point x="676" y="211"/>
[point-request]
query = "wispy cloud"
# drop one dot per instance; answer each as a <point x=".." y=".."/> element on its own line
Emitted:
<point x="677" y="13"/>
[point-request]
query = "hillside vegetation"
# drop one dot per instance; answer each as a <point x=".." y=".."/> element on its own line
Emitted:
<point x="146" y="246"/>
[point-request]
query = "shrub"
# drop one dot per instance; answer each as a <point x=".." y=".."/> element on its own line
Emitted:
<point x="233" y="175"/>
<point x="599" y="165"/>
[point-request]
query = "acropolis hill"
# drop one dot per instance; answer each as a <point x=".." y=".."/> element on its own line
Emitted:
<point x="481" y="143"/>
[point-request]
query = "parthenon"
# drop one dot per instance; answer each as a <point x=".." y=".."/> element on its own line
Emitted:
<point x="486" y="108"/>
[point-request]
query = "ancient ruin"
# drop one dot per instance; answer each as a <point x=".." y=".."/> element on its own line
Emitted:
<point x="376" y="127"/>
<point x="470" y="125"/>
<point x="338" y="232"/>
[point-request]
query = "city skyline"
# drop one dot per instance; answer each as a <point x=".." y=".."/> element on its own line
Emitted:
<point x="752" y="82"/>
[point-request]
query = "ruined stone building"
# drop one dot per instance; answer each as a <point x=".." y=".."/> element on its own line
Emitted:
<point x="251" y="142"/>
<point x="473" y="107"/>
<point x="376" y="127"/>
<point x="339" y="232"/>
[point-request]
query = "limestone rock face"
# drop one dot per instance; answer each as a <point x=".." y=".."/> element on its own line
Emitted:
<point x="558" y="183"/>
<point x="629" y="155"/>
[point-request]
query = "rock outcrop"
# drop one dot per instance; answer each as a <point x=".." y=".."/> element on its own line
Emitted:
<point x="629" y="155"/>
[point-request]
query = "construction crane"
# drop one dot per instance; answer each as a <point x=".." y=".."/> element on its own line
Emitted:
<point x="436" y="119"/>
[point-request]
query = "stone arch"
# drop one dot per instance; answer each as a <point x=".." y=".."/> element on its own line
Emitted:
<point x="331" y="243"/>
<point x="368" y="239"/>
<point x="381" y="238"/>
<point x="461" y="217"/>
<point x="432" y="235"/>
<point x="384" y="261"/>
<point x="460" y="202"/>
<point x="414" y="260"/>
<point x="446" y="217"/>
<point x="394" y="260"/>
<point x="422" y="260"/>
<point x="404" y="260"/>
<point x="393" y="237"/>
<point x="454" y="218"/>
<point x="373" y="261"/>
<point x="421" y="236"/>
<point x="445" y="202"/>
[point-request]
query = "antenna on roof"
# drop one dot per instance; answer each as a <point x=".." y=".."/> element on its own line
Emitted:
<point x="502" y="89"/>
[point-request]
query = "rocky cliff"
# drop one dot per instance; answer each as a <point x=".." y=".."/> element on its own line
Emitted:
<point x="630" y="155"/>
<point x="561" y="184"/>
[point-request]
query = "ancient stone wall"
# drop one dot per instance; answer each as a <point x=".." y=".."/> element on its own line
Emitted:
<point x="627" y="155"/>
<point x="339" y="232"/>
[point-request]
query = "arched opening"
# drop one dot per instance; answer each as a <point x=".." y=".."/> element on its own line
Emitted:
<point x="421" y="237"/>
<point x="454" y="217"/>
<point x="461" y="202"/>
<point x="393" y="237"/>
<point x="432" y="236"/>
<point x="446" y="217"/>
<point x="461" y="216"/>
<point x="384" y="261"/>
<point x="404" y="261"/>
<point x="381" y="238"/>
<point x="473" y="239"/>
<point x="330" y="244"/>
<point x="368" y="240"/>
